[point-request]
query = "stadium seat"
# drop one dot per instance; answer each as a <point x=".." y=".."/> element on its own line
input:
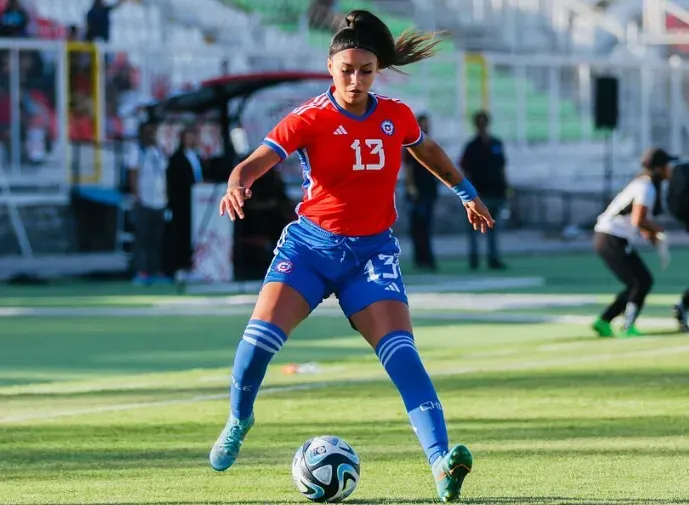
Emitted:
<point x="443" y="73"/>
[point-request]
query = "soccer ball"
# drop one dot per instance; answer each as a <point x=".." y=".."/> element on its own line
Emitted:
<point x="326" y="469"/>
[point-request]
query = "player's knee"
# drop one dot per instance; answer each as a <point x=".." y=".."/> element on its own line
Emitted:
<point x="641" y="287"/>
<point x="382" y="318"/>
<point x="645" y="283"/>
<point x="281" y="305"/>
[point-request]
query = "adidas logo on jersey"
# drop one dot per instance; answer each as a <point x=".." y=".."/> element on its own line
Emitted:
<point x="392" y="287"/>
<point x="340" y="131"/>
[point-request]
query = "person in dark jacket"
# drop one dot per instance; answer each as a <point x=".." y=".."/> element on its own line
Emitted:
<point x="185" y="169"/>
<point x="14" y="20"/>
<point x="98" y="20"/>
<point x="421" y="194"/>
<point x="483" y="162"/>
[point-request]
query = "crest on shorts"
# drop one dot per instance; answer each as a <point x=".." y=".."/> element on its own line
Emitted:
<point x="387" y="127"/>
<point x="284" y="267"/>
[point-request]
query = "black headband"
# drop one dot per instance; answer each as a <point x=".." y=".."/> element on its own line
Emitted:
<point x="356" y="46"/>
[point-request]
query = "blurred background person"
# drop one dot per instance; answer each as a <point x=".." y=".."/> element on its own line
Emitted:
<point x="677" y="199"/>
<point x="325" y="14"/>
<point x="98" y="20"/>
<point x="421" y="193"/>
<point x="73" y="34"/>
<point x="483" y="161"/>
<point x="185" y="169"/>
<point x="681" y="312"/>
<point x="14" y="20"/>
<point x="628" y="216"/>
<point x="147" y="167"/>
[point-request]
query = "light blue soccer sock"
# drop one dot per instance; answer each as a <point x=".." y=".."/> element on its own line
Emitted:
<point x="261" y="341"/>
<point x="401" y="361"/>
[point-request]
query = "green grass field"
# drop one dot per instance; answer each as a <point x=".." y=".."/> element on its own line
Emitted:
<point x="114" y="394"/>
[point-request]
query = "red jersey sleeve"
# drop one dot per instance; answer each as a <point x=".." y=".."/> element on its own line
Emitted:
<point x="288" y="135"/>
<point x="413" y="135"/>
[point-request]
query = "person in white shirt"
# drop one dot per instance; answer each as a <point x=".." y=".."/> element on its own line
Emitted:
<point x="147" y="167"/>
<point x="627" y="218"/>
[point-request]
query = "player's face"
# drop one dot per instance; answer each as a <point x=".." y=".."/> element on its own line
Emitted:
<point x="353" y="71"/>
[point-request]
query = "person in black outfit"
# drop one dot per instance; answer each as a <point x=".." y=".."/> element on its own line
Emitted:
<point x="267" y="213"/>
<point x="185" y="169"/>
<point x="421" y="194"/>
<point x="681" y="312"/>
<point x="98" y="20"/>
<point x="483" y="162"/>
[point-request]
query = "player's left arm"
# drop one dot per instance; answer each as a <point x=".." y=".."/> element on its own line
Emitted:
<point x="435" y="160"/>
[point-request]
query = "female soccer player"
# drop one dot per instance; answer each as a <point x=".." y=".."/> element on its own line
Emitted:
<point x="350" y="145"/>
<point x="628" y="216"/>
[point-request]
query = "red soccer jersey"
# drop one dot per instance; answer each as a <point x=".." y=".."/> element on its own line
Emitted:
<point x="350" y="163"/>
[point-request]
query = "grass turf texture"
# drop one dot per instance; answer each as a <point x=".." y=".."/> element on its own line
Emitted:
<point x="124" y="409"/>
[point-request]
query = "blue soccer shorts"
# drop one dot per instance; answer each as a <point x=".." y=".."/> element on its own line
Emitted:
<point x="358" y="270"/>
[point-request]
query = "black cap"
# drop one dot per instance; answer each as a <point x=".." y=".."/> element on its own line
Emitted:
<point x="656" y="157"/>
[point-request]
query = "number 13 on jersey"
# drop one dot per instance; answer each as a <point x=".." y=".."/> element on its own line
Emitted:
<point x="375" y="148"/>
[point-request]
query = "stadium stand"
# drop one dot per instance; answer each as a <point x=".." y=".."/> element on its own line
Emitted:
<point x="289" y="17"/>
<point x="159" y="47"/>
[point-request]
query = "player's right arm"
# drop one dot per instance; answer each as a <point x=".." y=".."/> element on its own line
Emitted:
<point x="242" y="177"/>
<point x="285" y="138"/>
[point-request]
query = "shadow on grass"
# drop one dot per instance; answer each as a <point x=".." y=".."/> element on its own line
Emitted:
<point x="643" y="382"/>
<point x="80" y="448"/>
<point x="56" y="347"/>
<point x="561" y="500"/>
<point x="502" y="500"/>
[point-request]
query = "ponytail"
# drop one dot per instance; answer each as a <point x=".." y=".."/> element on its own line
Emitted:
<point x="364" y="30"/>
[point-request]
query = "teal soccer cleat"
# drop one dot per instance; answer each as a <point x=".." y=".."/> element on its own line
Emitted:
<point x="226" y="449"/>
<point x="450" y="470"/>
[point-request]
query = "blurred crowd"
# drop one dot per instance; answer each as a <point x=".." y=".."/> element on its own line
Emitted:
<point x="38" y="78"/>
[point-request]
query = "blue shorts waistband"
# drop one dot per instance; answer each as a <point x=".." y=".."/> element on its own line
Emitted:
<point x="313" y="227"/>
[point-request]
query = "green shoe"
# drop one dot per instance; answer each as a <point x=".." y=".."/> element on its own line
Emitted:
<point x="449" y="471"/>
<point x="603" y="328"/>
<point x="631" y="332"/>
<point x="226" y="448"/>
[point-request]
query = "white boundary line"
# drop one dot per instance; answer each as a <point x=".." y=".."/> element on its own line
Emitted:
<point x="224" y="311"/>
<point x="141" y="405"/>
<point x="527" y="365"/>
<point x="427" y="284"/>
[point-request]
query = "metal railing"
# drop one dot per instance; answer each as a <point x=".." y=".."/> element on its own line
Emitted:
<point x="542" y="106"/>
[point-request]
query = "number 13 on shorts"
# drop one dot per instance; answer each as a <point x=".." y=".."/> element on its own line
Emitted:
<point x="384" y="270"/>
<point x="386" y="267"/>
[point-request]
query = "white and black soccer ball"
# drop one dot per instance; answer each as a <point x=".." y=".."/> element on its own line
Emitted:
<point x="326" y="469"/>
